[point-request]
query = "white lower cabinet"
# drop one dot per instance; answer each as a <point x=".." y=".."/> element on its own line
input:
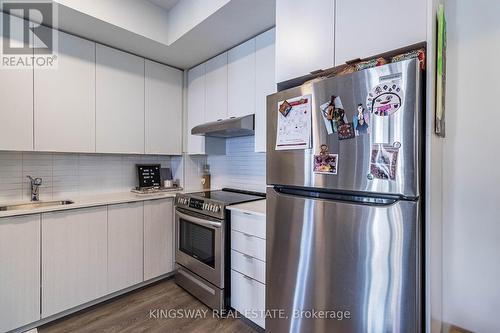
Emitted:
<point x="248" y="297"/>
<point x="248" y="265"/>
<point x="158" y="238"/>
<point x="74" y="258"/>
<point x="248" y="244"/>
<point x="19" y="271"/>
<point x="125" y="245"/>
<point x="56" y="261"/>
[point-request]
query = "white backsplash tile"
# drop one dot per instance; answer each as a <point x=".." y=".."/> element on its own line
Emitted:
<point x="240" y="168"/>
<point x="69" y="175"/>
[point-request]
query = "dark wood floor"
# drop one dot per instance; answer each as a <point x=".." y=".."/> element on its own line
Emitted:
<point x="131" y="313"/>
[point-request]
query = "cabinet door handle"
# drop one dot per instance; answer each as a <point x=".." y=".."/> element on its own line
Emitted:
<point x="247" y="277"/>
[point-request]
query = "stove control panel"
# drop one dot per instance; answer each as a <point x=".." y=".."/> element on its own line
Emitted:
<point x="206" y="207"/>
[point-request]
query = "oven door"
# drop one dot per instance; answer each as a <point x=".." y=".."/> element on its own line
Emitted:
<point x="200" y="245"/>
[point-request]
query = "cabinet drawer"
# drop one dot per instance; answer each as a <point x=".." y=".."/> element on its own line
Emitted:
<point x="250" y="224"/>
<point x="248" y="297"/>
<point x="248" y="244"/>
<point x="245" y="264"/>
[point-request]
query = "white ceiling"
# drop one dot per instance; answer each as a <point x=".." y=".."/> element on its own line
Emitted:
<point x="230" y="25"/>
<point x="165" y="4"/>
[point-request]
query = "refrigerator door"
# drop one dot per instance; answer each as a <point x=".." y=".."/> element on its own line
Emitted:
<point x="401" y="129"/>
<point x="357" y="263"/>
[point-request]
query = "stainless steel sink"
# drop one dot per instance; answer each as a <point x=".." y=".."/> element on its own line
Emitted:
<point x="35" y="205"/>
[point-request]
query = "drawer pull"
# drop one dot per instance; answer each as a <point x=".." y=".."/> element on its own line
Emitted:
<point x="247" y="235"/>
<point x="248" y="257"/>
<point x="247" y="277"/>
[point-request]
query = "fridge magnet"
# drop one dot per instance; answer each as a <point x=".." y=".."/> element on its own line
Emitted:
<point x="325" y="163"/>
<point x="333" y="114"/>
<point x="285" y="108"/>
<point x="361" y="121"/>
<point x="384" y="161"/>
<point x="346" y="131"/>
<point x="294" y="126"/>
<point x="385" y="99"/>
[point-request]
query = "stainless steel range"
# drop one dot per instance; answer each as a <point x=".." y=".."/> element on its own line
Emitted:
<point x="202" y="243"/>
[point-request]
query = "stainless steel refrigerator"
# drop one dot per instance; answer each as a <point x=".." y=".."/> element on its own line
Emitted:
<point x="344" y="222"/>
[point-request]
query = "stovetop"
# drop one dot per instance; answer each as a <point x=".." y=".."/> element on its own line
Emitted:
<point x="214" y="203"/>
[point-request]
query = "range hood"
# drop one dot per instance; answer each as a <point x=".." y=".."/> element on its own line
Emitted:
<point x="228" y="128"/>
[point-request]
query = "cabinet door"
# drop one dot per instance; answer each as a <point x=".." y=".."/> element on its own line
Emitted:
<point x="216" y="88"/>
<point x="65" y="98"/>
<point x="125" y="245"/>
<point x="265" y="83"/>
<point x="195" y="109"/>
<point x="163" y="109"/>
<point x="16" y="94"/>
<point x="241" y="79"/>
<point x="364" y="29"/>
<point x="158" y="238"/>
<point x="120" y="101"/>
<point x="74" y="258"/>
<point x="19" y="271"/>
<point x="304" y="37"/>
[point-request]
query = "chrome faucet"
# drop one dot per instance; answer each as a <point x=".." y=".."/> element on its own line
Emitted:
<point x="35" y="184"/>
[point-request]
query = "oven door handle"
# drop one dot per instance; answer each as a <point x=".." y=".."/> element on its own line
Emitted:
<point x="199" y="221"/>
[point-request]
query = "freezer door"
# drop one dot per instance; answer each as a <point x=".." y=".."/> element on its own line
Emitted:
<point x="401" y="129"/>
<point x="356" y="265"/>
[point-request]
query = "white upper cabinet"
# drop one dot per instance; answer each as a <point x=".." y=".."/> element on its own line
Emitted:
<point x="216" y="88"/>
<point x="16" y="96"/>
<point x="304" y="37"/>
<point x="265" y="60"/>
<point x="163" y="109"/>
<point x="241" y="79"/>
<point x="119" y="101"/>
<point x="364" y="28"/>
<point x="65" y="98"/>
<point x="195" y="109"/>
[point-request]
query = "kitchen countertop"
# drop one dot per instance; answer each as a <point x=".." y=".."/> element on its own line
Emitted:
<point x="254" y="207"/>
<point x="88" y="201"/>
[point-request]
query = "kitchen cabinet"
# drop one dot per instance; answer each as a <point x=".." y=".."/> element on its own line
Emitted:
<point x="163" y="110"/>
<point x="216" y="88"/>
<point x="16" y="94"/>
<point x="158" y="238"/>
<point x="195" y="109"/>
<point x="64" y="108"/>
<point x="248" y="264"/>
<point x="265" y="84"/>
<point x="19" y="271"/>
<point x="248" y="296"/>
<point x="125" y="245"/>
<point x="74" y="258"/>
<point x="364" y="29"/>
<point x="241" y="79"/>
<point x="119" y="101"/>
<point x="305" y="40"/>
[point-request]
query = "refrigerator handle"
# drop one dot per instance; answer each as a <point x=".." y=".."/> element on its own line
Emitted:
<point x="356" y="198"/>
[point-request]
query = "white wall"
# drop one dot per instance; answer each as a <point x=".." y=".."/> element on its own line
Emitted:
<point x="69" y="176"/>
<point x="471" y="243"/>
